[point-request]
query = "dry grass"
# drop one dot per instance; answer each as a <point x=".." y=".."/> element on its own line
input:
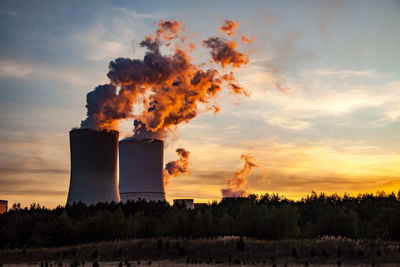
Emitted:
<point x="326" y="251"/>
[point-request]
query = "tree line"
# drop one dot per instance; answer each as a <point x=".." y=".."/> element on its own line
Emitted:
<point x="268" y="216"/>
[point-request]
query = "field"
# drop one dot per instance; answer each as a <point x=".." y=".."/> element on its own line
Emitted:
<point x="326" y="251"/>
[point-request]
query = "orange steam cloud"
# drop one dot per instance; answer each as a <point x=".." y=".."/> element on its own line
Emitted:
<point x="229" y="26"/>
<point x="168" y="30"/>
<point x="238" y="181"/>
<point x="178" y="167"/>
<point x="169" y="88"/>
<point x="245" y="39"/>
<point x="224" y="52"/>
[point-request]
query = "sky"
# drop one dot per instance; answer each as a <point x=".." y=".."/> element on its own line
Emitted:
<point x="323" y="112"/>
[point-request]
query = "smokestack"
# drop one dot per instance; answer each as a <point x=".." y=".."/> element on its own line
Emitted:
<point x="93" y="166"/>
<point x="141" y="169"/>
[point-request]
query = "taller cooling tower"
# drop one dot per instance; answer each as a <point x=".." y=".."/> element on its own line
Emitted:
<point x="93" y="166"/>
<point x="141" y="169"/>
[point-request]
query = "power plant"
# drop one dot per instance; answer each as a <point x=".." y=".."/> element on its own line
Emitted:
<point x="93" y="166"/>
<point x="141" y="169"/>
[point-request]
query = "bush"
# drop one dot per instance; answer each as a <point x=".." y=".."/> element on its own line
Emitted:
<point x="160" y="244"/>
<point x="240" y="244"/>
<point x="94" y="254"/>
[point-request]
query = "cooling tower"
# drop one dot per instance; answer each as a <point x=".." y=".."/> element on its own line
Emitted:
<point x="141" y="169"/>
<point x="93" y="166"/>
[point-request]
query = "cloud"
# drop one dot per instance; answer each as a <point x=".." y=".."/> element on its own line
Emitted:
<point x="343" y="73"/>
<point x="286" y="123"/>
<point x="10" y="12"/>
<point x="14" y="69"/>
<point x="316" y="94"/>
<point x="38" y="192"/>
<point x="23" y="170"/>
<point x="33" y="168"/>
<point x="136" y="15"/>
<point x="99" y="43"/>
<point x="114" y="36"/>
<point x="44" y="71"/>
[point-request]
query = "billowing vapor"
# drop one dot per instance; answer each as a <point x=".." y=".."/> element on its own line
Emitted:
<point x="245" y="39"/>
<point x="229" y="26"/>
<point x="237" y="183"/>
<point x="224" y="52"/>
<point x="177" y="167"/>
<point x="161" y="91"/>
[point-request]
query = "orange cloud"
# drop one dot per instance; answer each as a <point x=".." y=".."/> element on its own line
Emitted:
<point x="177" y="167"/>
<point x="238" y="181"/>
<point x="229" y="26"/>
<point x="169" y="87"/>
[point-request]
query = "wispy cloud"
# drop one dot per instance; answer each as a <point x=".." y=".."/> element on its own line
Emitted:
<point x="14" y="69"/>
<point x="343" y="73"/>
<point x="321" y="93"/>
<point x="10" y="12"/>
<point x="137" y="15"/>
<point x="44" y="71"/>
<point x="100" y="43"/>
<point x="114" y="38"/>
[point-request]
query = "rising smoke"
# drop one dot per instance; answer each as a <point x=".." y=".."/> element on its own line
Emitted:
<point x="228" y="27"/>
<point x="236" y="184"/>
<point x="170" y="88"/>
<point x="177" y="167"/>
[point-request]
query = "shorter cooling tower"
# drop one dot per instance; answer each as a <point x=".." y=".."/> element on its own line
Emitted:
<point x="93" y="166"/>
<point x="141" y="169"/>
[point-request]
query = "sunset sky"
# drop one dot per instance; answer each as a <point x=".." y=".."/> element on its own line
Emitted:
<point x="323" y="112"/>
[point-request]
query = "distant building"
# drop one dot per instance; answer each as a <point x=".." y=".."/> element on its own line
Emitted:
<point x="187" y="203"/>
<point x="3" y="206"/>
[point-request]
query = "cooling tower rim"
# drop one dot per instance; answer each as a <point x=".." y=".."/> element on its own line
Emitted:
<point x="91" y="131"/>
<point x="140" y="140"/>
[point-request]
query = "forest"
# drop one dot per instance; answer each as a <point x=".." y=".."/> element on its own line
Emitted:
<point x="268" y="216"/>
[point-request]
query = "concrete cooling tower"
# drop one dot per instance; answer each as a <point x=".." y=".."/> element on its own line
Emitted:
<point x="141" y="169"/>
<point x="93" y="166"/>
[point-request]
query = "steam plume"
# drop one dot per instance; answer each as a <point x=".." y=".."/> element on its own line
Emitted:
<point x="177" y="167"/>
<point x="229" y="26"/>
<point x="238" y="181"/>
<point x="245" y="39"/>
<point x="168" y="88"/>
<point x="224" y="52"/>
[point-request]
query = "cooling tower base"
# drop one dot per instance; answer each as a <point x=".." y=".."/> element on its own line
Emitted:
<point x="148" y="196"/>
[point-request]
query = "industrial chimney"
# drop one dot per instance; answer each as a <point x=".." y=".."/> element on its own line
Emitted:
<point x="141" y="169"/>
<point x="93" y="166"/>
